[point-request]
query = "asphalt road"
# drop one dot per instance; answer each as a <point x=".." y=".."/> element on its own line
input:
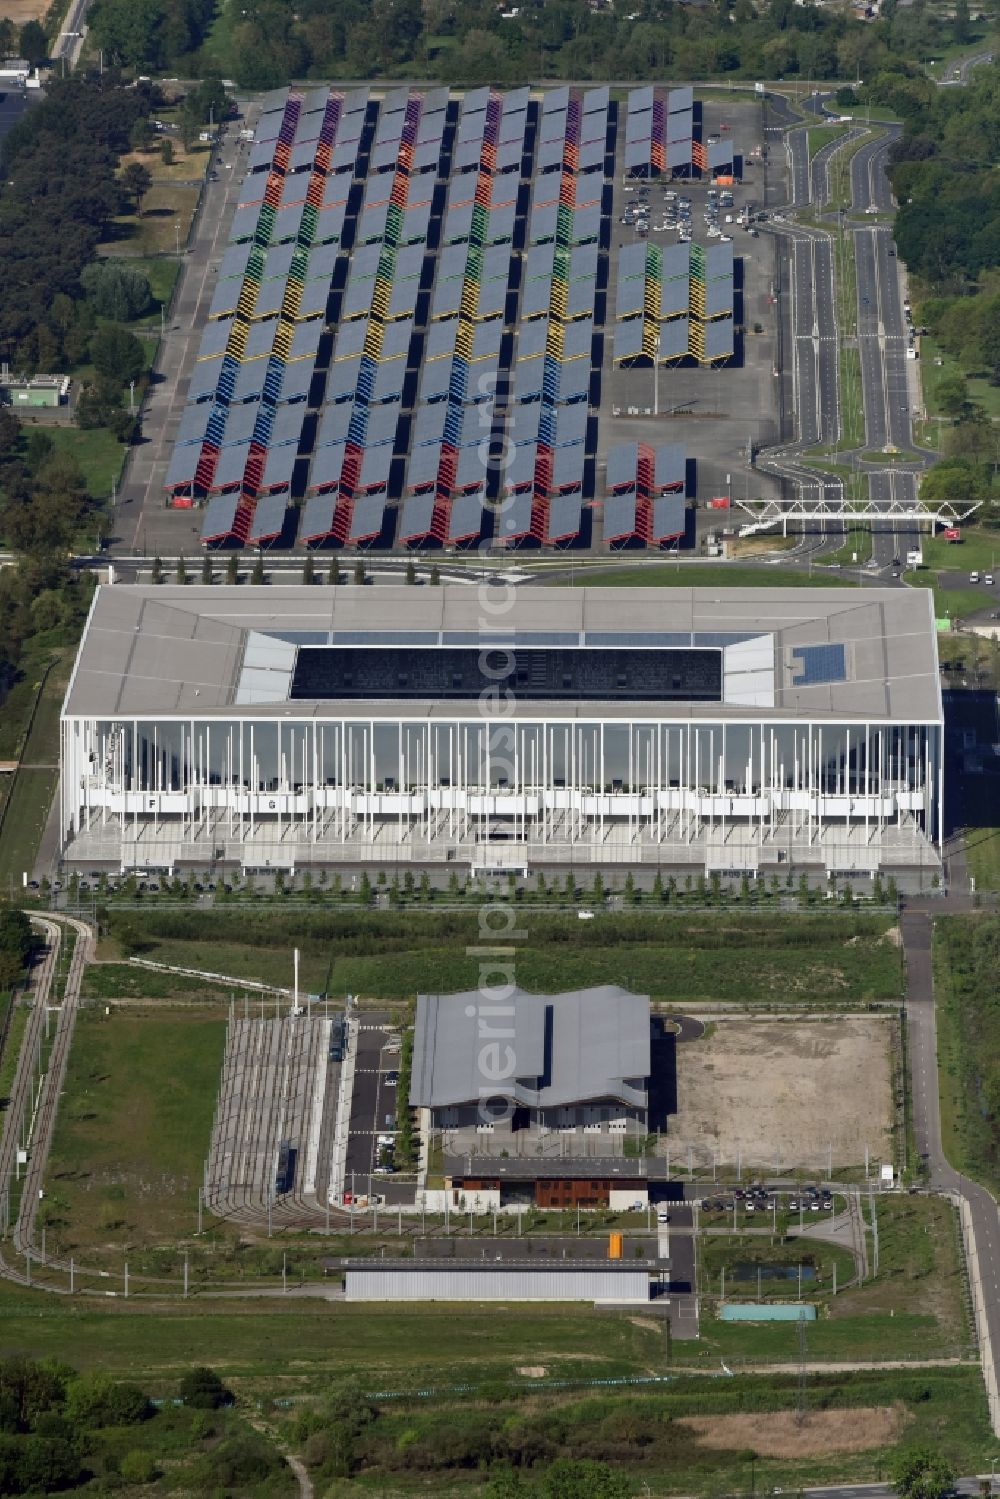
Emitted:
<point x="869" y="183"/>
<point x="814" y="348"/>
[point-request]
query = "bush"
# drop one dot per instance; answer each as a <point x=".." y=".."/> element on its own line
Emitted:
<point x="97" y="1400"/>
<point x="138" y="1466"/>
<point x="238" y="1461"/>
<point x="202" y="1389"/>
<point x="42" y="1464"/>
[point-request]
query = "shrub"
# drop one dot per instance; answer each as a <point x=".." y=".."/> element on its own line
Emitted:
<point x="138" y="1466"/>
<point x="97" y="1400"/>
<point x="202" y="1389"/>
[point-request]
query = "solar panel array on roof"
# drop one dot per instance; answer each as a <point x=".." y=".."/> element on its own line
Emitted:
<point x="815" y="665"/>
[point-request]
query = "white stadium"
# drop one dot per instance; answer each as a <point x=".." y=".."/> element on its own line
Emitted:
<point x="504" y="728"/>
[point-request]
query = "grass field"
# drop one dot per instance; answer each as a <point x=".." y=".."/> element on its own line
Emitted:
<point x="23" y="824"/>
<point x="731" y="1254"/>
<point x="977" y="551"/>
<point x="97" y="451"/>
<point x="819" y="136"/>
<point x="124" y="981"/>
<point x="133" y="1129"/>
<point x="968" y="1027"/>
<point x="981" y="391"/>
<point x="269" y="1350"/>
<point x="8" y="1060"/>
<point x="723" y="575"/>
<point x="30" y="796"/>
<point x="982" y="852"/>
<point x="388" y="955"/>
<point x="166" y="204"/>
<point x="951" y="603"/>
<point x="856" y="550"/>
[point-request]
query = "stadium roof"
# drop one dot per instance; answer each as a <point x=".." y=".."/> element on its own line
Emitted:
<point x="827" y="654"/>
<point x="569" y="1048"/>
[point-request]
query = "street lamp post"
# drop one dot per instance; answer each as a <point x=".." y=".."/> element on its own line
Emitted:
<point x="177" y="235"/>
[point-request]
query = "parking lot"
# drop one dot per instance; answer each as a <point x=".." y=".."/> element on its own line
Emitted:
<point x="370" y="1163"/>
<point x="716" y="412"/>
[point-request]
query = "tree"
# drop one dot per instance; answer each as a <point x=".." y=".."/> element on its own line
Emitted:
<point x="961" y="28"/>
<point x="206" y="568"/>
<point x="435" y="575"/>
<point x="411" y="572"/>
<point x="137" y="180"/>
<point x="921" y="1473"/>
<point x="117" y="354"/>
<point x="257" y="576"/>
<point x="359" y="572"/>
<point x="141" y="135"/>
<point x="16" y="945"/>
<point x="180" y="576"/>
<point x="95" y="1400"/>
<point x="953" y="394"/>
<point x="309" y="569"/>
<point x="233" y="568"/>
<point x="202" y="1389"/>
<point x="156" y="573"/>
<point x="568" y="1478"/>
<point x="333" y="572"/>
<point x="32" y="43"/>
<point x="116" y="290"/>
<point x="167" y="151"/>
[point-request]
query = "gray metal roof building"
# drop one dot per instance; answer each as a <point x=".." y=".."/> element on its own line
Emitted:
<point x="562" y="1049"/>
<point x="609" y="1284"/>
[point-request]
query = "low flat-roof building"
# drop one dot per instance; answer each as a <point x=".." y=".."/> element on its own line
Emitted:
<point x="727" y="729"/>
<point x="491" y="1063"/>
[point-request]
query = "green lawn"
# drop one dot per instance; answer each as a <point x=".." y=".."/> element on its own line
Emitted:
<point x="977" y="551"/>
<point x="133" y="1127"/>
<point x="125" y="981"/>
<point x="982" y="851"/>
<point x="722" y="575"/>
<point x="23" y="824"/>
<point x="953" y="603"/>
<point x="31" y="793"/>
<point x="37" y="700"/>
<point x="856" y="550"/>
<point x="162" y="273"/>
<point x="8" y="1060"/>
<point x="291" y="1345"/>
<point x="819" y="136"/>
<point x="981" y="391"/>
<point x="968" y="1028"/>
<point x="717" y="955"/>
<point x="97" y="451"/>
<point x="732" y="1254"/>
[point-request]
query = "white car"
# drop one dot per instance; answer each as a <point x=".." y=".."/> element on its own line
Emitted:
<point x="662" y="1216"/>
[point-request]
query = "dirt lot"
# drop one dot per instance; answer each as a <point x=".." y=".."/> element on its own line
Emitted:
<point x="782" y="1092"/>
<point x="779" y="1434"/>
<point x="20" y="11"/>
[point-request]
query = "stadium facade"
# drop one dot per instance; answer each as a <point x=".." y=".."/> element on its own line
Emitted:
<point x="504" y="728"/>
